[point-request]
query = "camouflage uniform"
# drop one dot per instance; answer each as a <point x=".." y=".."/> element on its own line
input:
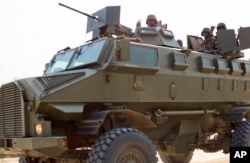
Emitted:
<point x="209" y="44"/>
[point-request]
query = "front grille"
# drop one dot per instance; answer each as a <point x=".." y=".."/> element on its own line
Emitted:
<point x="11" y="111"/>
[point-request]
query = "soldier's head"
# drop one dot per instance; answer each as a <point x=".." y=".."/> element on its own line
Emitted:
<point x="151" y="21"/>
<point x="206" y="32"/>
<point x="221" y="26"/>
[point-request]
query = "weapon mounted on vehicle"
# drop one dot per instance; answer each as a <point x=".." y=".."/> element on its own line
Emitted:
<point x="104" y="22"/>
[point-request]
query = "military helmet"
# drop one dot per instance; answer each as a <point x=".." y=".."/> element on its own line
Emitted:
<point x="206" y="30"/>
<point x="221" y="25"/>
<point x="151" y="17"/>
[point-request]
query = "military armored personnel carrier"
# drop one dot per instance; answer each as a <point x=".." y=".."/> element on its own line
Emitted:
<point x="124" y="95"/>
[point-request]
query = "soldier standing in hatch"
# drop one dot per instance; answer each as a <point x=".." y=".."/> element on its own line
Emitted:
<point x="151" y="21"/>
<point x="220" y="26"/>
<point x="208" y="45"/>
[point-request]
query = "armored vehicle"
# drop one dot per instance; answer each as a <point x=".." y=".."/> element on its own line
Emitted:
<point x="124" y="95"/>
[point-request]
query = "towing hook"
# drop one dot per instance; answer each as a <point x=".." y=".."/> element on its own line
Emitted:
<point x="158" y="113"/>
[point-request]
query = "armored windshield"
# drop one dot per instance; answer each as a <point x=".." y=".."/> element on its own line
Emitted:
<point x="80" y="56"/>
<point x="60" y="62"/>
<point x="87" y="54"/>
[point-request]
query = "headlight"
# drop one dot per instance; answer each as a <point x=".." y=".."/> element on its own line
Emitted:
<point x="43" y="128"/>
<point x="64" y="143"/>
<point x="39" y="129"/>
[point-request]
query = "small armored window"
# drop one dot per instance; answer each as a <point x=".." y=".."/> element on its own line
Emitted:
<point x="179" y="61"/>
<point x="143" y="56"/>
<point x="148" y="31"/>
<point x="167" y="33"/>
<point x="206" y="64"/>
<point x="235" y="68"/>
<point x="180" y="58"/>
<point x="246" y="68"/>
<point x="221" y="66"/>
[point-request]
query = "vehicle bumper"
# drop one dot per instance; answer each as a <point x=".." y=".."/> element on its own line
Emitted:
<point x="50" y="147"/>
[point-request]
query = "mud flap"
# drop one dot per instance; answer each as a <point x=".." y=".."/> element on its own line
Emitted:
<point x="188" y="133"/>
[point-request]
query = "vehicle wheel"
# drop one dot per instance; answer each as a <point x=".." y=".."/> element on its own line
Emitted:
<point x="123" y="145"/>
<point x="241" y="135"/>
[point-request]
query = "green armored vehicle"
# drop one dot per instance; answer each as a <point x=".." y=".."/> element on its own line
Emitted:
<point x="123" y="96"/>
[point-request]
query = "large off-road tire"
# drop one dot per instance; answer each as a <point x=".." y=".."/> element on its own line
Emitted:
<point x="241" y="135"/>
<point x="123" y="145"/>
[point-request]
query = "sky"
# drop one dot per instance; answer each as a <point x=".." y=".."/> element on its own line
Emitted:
<point x="32" y="31"/>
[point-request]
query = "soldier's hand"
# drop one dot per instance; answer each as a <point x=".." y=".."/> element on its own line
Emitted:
<point x="138" y="24"/>
<point x="212" y="28"/>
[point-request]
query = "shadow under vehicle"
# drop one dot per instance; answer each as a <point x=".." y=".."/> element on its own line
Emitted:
<point x="122" y="96"/>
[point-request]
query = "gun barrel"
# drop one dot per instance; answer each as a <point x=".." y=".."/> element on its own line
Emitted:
<point x="91" y="16"/>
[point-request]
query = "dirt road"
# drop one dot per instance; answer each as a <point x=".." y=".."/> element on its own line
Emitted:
<point x="199" y="157"/>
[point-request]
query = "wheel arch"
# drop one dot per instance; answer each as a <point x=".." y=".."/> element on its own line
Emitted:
<point x="93" y="123"/>
<point x="238" y="113"/>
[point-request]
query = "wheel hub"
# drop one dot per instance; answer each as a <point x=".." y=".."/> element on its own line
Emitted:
<point x="131" y="156"/>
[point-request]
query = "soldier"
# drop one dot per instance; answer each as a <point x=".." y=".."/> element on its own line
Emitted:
<point x="151" y="21"/>
<point x="208" y="45"/>
<point x="221" y="26"/>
